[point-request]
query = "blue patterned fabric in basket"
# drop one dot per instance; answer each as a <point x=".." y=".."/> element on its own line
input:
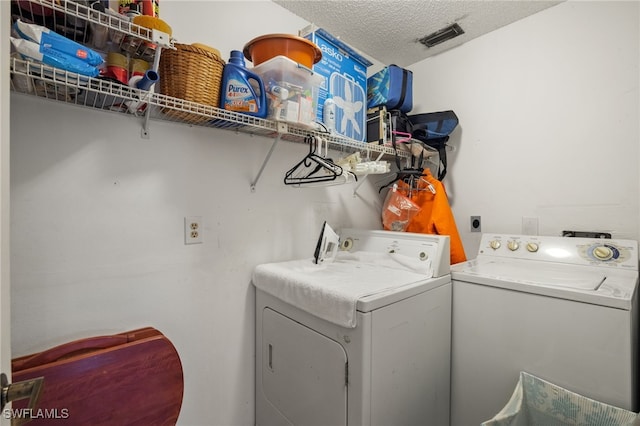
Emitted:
<point x="536" y="402"/>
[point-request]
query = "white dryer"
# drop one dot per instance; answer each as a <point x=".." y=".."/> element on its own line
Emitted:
<point x="563" y="309"/>
<point x="387" y="362"/>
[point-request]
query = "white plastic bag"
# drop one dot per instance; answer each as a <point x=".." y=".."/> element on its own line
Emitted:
<point x="536" y="402"/>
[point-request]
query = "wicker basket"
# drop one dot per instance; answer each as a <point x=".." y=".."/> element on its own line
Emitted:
<point x="193" y="74"/>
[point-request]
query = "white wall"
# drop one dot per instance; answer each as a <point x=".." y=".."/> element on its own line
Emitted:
<point x="97" y="224"/>
<point x="549" y="128"/>
<point x="548" y="110"/>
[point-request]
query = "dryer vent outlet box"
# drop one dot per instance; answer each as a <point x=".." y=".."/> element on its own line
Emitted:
<point x="586" y="234"/>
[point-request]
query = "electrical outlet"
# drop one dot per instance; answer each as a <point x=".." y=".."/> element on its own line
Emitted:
<point x="476" y="224"/>
<point x="193" y="230"/>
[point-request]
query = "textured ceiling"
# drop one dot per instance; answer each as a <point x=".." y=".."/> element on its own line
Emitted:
<point x="387" y="30"/>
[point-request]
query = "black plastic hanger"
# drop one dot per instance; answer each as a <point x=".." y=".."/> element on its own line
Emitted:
<point x="312" y="168"/>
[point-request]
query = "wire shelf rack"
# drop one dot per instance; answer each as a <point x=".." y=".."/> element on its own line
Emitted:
<point x="43" y="81"/>
<point x="74" y="20"/>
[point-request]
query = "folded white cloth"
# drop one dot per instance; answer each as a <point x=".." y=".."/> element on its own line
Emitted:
<point x="331" y="290"/>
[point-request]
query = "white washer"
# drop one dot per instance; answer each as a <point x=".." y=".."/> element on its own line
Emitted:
<point x="563" y="309"/>
<point x="393" y="368"/>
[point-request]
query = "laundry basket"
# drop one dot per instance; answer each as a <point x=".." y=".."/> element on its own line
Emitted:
<point x="536" y="402"/>
<point x="192" y="72"/>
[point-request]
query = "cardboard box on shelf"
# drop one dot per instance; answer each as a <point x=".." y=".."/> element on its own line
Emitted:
<point x="344" y="73"/>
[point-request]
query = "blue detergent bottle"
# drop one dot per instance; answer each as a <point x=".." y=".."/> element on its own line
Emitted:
<point x="242" y="90"/>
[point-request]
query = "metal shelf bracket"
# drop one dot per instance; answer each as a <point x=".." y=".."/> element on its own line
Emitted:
<point x="282" y="128"/>
<point x="145" y="126"/>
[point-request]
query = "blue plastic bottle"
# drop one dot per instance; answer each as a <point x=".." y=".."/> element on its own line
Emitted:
<point x="242" y="90"/>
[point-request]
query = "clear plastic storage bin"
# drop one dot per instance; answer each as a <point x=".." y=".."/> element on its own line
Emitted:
<point x="292" y="90"/>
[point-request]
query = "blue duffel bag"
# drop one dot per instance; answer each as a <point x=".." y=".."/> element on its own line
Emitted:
<point x="391" y="87"/>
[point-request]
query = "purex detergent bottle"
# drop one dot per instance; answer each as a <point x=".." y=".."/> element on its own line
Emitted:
<point x="242" y="90"/>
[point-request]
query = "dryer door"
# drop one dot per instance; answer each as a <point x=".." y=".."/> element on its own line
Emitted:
<point x="303" y="372"/>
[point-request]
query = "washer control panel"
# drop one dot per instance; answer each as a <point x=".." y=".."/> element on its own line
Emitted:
<point x="605" y="252"/>
<point x="577" y="251"/>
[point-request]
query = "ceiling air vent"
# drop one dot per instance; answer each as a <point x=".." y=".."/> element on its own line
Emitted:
<point x="442" y="35"/>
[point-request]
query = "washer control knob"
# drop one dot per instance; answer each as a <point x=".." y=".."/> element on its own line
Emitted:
<point x="513" y="245"/>
<point x="603" y="253"/>
<point x="495" y="244"/>
<point x="532" y="247"/>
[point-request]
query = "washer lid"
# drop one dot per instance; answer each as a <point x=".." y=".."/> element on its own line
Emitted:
<point x="613" y="287"/>
<point x="554" y="275"/>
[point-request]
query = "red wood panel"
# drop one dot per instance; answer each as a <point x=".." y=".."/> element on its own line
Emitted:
<point x="135" y="380"/>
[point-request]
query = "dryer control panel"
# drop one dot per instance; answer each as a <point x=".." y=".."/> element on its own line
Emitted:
<point x="575" y="251"/>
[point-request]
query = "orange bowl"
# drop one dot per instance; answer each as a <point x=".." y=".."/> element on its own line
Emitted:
<point x="298" y="49"/>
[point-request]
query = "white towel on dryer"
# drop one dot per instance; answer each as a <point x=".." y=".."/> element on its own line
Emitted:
<point x="331" y="290"/>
